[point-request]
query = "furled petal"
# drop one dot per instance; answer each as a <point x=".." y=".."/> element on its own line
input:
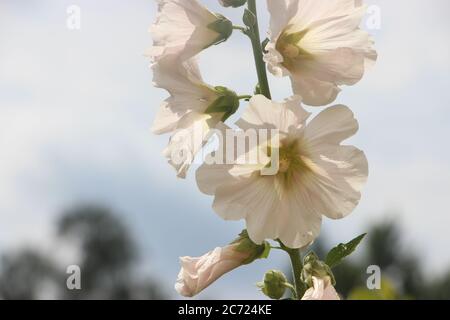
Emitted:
<point x="322" y="290"/>
<point x="198" y="273"/>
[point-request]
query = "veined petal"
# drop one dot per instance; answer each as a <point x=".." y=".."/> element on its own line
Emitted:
<point x="265" y="114"/>
<point x="191" y="135"/>
<point x="300" y="220"/>
<point x="335" y="188"/>
<point x="245" y="196"/>
<point x="331" y="126"/>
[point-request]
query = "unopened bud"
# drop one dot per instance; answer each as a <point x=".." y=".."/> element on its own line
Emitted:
<point x="232" y="3"/>
<point x="314" y="267"/>
<point x="274" y="284"/>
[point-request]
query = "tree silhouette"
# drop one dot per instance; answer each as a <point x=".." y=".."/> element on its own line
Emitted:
<point x="107" y="262"/>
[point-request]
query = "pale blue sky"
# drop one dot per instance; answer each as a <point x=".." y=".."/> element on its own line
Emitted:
<point x="76" y="108"/>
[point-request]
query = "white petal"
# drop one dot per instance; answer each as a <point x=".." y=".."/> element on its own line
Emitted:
<point x="281" y="12"/>
<point x="331" y="126"/>
<point x="166" y="119"/>
<point x="339" y="66"/>
<point x="181" y="29"/>
<point x="266" y="114"/>
<point x="313" y="91"/>
<point x="191" y="135"/>
<point x="188" y="92"/>
<point x="300" y="221"/>
<point x="311" y="11"/>
<point x="322" y="290"/>
<point x="244" y="196"/>
<point x="335" y="187"/>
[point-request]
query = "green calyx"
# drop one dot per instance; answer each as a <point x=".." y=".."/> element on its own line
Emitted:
<point x="227" y="103"/>
<point x="232" y="3"/>
<point x="314" y="267"/>
<point x="255" y="251"/>
<point x="274" y="284"/>
<point x="223" y="27"/>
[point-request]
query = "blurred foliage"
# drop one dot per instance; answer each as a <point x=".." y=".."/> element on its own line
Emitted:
<point x="108" y="261"/>
<point x="403" y="274"/>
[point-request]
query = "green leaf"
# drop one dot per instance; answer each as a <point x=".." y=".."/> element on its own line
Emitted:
<point x="338" y="253"/>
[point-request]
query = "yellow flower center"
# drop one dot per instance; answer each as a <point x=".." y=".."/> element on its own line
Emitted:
<point x="293" y="161"/>
<point x="288" y="45"/>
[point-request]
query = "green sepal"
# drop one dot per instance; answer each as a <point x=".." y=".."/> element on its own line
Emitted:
<point x="338" y="253"/>
<point x="223" y="27"/>
<point x="246" y="245"/>
<point x="314" y="267"/>
<point x="227" y="103"/>
<point x="233" y="3"/>
<point x="257" y="89"/>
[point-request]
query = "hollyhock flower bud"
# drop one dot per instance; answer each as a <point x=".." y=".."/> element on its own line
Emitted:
<point x="322" y="289"/>
<point x="232" y="3"/>
<point x="274" y="284"/>
<point x="313" y="267"/>
<point x="198" y="273"/>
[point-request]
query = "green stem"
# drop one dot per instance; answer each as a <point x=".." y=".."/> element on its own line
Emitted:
<point x="257" y="52"/>
<point x="297" y="267"/>
<point x="244" y="97"/>
<point x="291" y="288"/>
<point x="243" y="29"/>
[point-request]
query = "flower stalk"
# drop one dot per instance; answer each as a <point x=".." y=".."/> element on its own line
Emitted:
<point x="257" y="51"/>
<point x="297" y="267"/>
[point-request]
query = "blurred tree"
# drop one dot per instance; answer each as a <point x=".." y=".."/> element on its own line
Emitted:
<point x="108" y="262"/>
<point x="26" y="275"/>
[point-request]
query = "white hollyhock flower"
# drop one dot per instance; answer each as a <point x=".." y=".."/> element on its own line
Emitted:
<point x="319" y="45"/>
<point x="192" y="109"/>
<point x="322" y="290"/>
<point x="198" y="273"/>
<point x="185" y="28"/>
<point x="316" y="175"/>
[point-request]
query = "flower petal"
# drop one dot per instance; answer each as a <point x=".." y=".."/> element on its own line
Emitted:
<point x="265" y="114"/>
<point x="331" y="126"/>
<point x="313" y="91"/>
<point x="335" y="189"/>
<point x="181" y="29"/>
